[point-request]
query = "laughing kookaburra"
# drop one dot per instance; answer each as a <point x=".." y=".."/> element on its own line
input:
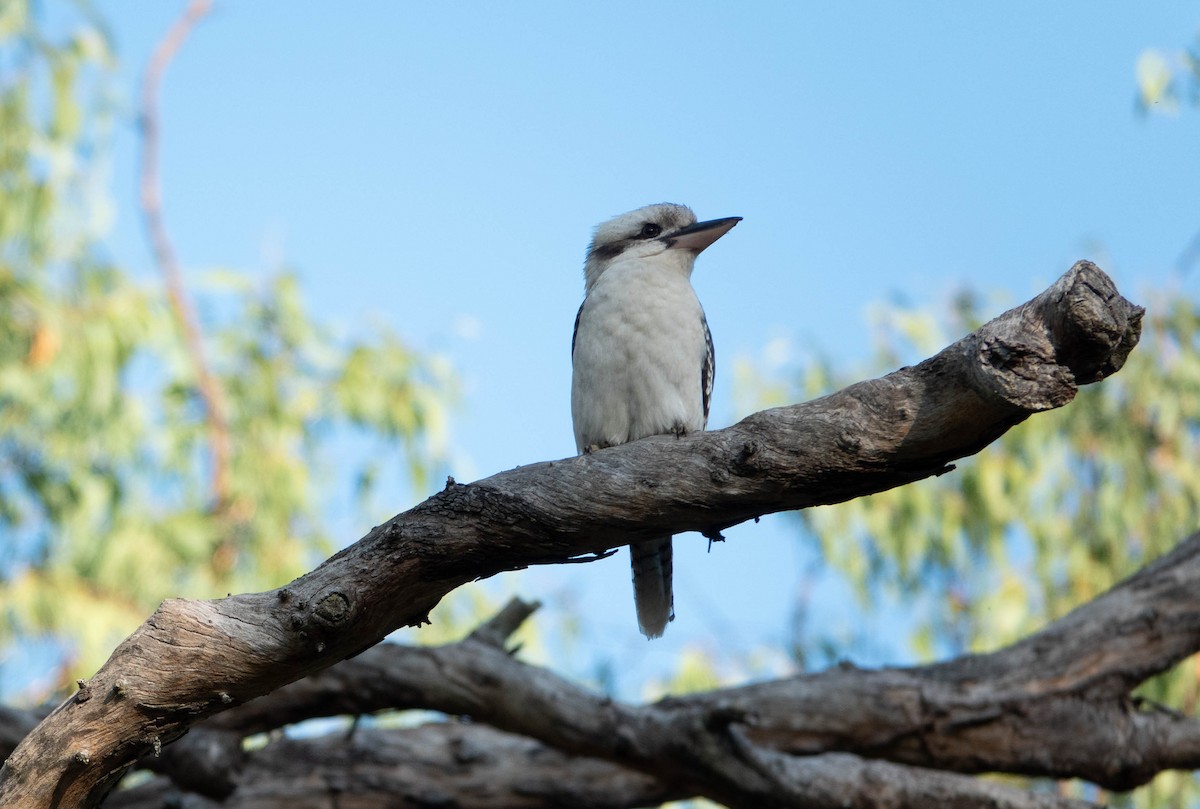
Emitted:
<point x="643" y="357"/>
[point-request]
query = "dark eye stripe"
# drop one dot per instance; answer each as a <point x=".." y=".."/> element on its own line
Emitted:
<point x="610" y="250"/>
<point x="607" y="251"/>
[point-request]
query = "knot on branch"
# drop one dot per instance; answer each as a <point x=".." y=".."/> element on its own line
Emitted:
<point x="333" y="609"/>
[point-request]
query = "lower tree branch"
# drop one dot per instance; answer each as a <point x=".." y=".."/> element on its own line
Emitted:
<point x="193" y="659"/>
<point x="1055" y="704"/>
<point x="452" y="765"/>
<point x="466" y="766"/>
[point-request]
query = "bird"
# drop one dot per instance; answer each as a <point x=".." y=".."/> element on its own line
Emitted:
<point x="642" y="357"/>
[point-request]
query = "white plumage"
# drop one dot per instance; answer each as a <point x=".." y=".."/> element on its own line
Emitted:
<point x="642" y="356"/>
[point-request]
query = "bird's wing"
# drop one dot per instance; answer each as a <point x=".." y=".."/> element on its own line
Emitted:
<point x="575" y="333"/>
<point x="709" y="369"/>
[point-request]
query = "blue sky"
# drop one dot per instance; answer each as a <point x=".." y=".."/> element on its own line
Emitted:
<point x="439" y="167"/>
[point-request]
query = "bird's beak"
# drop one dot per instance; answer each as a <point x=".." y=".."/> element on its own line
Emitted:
<point x="702" y="234"/>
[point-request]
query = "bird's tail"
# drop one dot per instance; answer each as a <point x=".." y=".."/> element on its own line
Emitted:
<point x="652" y="585"/>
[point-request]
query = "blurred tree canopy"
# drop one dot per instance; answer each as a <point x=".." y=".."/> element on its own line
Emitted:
<point x="106" y="503"/>
<point x="1048" y="517"/>
<point x="1165" y="79"/>
<point x="1060" y="508"/>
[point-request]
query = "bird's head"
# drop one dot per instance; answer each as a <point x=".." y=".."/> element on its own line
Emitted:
<point x="665" y="230"/>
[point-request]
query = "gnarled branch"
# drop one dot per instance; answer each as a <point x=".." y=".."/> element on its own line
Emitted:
<point x="1056" y="704"/>
<point x="469" y="766"/>
<point x="868" y="437"/>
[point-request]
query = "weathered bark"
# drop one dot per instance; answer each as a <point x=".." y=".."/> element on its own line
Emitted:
<point x="468" y="766"/>
<point x="453" y="765"/>
<point x="193" y="659"/>
<point x="1056" y="704"/>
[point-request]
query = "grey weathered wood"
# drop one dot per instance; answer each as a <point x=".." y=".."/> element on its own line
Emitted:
<point x="458" y="766"/>
<point x="1058" y="703"/>
<point x="192" y="659"/>
<point x="739" y="745"/>
<point x="469" y="766"/>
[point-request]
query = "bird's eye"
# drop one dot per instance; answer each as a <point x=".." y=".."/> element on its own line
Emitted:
<point x="650" y="230"/>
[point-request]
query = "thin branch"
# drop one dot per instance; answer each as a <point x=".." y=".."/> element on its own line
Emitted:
<point x="211" y="392"/>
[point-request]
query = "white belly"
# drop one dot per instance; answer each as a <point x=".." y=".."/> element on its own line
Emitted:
<point x="639" y="354"/>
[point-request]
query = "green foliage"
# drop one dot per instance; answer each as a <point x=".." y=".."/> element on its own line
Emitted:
<point x="1166" y="79"/>
<point x="106" y="499"/>
<point x="1059" y="509"/>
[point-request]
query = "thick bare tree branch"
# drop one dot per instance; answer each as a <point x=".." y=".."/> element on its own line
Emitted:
<point x="193" y="659"/>
<point x="476" y="766"/>
<point x="1056" y="704"/>
<point x="454" y="765"/>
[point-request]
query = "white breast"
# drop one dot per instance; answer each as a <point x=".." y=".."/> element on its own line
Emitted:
<point x="639" y="351"/>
